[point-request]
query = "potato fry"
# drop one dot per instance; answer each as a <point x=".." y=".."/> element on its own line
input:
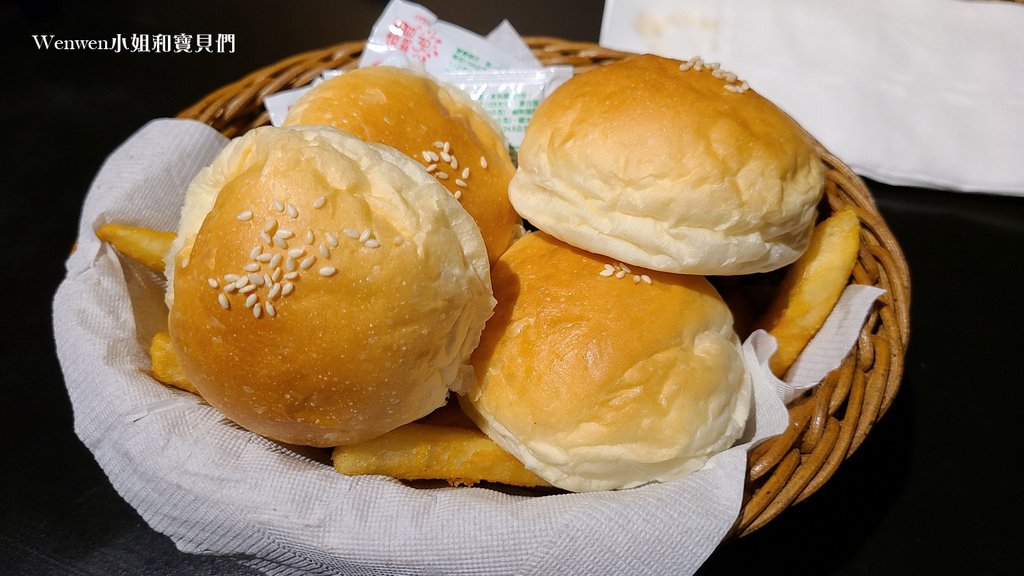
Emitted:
<point x="166" y="369"/>
<point x="461" y="456"/>
<point x="143" y="245"/>
<point x="811" y="287"/>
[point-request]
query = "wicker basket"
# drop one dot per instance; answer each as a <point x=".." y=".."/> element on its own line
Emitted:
<point x="825" y="427"/>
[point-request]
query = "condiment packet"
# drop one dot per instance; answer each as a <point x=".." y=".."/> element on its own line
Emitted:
<point x="498" y="71"/>
<point x="214" y="488"/>
<point x="439" y="46"/>
<point x="510" y="96"/>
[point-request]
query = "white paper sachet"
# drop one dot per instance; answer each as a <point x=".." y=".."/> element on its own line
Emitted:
<point x="215" y="488"/>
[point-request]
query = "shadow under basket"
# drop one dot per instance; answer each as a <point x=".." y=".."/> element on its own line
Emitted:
<point x="827" y="425"/>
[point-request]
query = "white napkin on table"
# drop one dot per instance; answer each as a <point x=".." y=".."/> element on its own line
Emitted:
<point x="914" y="92"/>
<point x="214" y="488"/>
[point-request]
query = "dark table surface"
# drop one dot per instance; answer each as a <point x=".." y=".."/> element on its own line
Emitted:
<point x="934" y="489"/>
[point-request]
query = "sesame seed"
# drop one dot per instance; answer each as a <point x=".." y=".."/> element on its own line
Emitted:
<point x="265" y="257"/>
<point x="732" y="88"/>
<point x="267" y="279"/>
<point x="269" y="226"/>
<point x="271" y="311"/>
<point x="277" y="205"/>
<point x="241" y="282"/>
<point x="483" y="163"/>
<point x="620" y="274"/>
<point x="213" y="282"/>
<point x="624" y="267"/>
<point x="251" y="267"/>
<point x="364" y="235"/>
<point x="307" y="262"/>
<point x="609" y="267"/>
<point x="257" y="311"/>
<point x="646" y="278"/>
<point x="431" y="168"/>
<point x="224" y="302"/>
<point x="636" y="279"/>
<point x="730" y="77"/>
<point x="184" y="262"/>
<point x="266" y="238"/>
<point x="441" y="175"/>
<point x="310" y="237"/>
<point x="460" y="182"/>
<point x="605" y="273"/>
<point x="296" y="252"/>
<point x="454" y="163"/>
<point x="252" y="299"/>
<point x="398" y="240"/>
<point x="438" y="144"/>
<point x="717" y="73"/>
<point x="744" y="87"/>
<point x="434" y="157"/>
<point x="276" y="275"/>
<point x="446" y="157"/>
<point x="351" y="233"/>
<point x="332" y="240"/>
<point x="712" y="66"/>
<point x="371" y="243"/>
<point x="447" y="148"/>
<point x="284" y="233"/>
<point x="275" y="261"/>
<point x="465" y="173"/>
<point x="248" y="389"/>
<point x="324" y="251"/>
<point x="328" y="271"/>
<point x="231" y="277"/>
<point x="319" y="202"/>
<point x="291" y="275"/>
<point x="244" y="215"/>
<point x="229" y="288"/>
<point x="274" y="291"/>
<point x="247" y="289"/>
<point x="685" y="66"/>
<point x="280" y="243"/>
<point x="287" y="289"/>
<point x="458" y="194"/>
<point x="426" y="156"/>
<point x="255" y="280"/>
<point x="290" y="264"/>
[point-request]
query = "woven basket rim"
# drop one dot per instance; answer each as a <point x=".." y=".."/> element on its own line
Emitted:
<point x="827" y="425"/>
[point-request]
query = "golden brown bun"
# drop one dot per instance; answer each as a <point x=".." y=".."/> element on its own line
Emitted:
<point x="368" y="335"/>
<point x="410" y="113"/>
<point x="670" y="170"/>
<point x="599" y="382"/>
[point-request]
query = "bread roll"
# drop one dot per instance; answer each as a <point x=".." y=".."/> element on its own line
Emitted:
<point x="598" y="376"/>
<point x="434" y="124"/>
<point x="324" y="290"/>
<point x="676" y="170"/>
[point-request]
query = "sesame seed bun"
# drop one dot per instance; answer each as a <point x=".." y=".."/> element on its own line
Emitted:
<point x="413" y="113"/>
<point x="676" y="170"/>
<point x="324" y="290"/>
<point x="597" y="378"/>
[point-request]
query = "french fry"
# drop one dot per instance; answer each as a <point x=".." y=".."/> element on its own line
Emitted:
<point x="143" y="245"/>
<point x="811" y="287"/>
<point x="461" y="456"/>
<point x="165" y="367"/>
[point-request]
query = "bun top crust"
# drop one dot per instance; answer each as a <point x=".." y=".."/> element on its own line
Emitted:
<point x="669" y="169"/>
<point x="325" y="290"/>
<point x="412" y="113"/>
<point x="597" y="382"/>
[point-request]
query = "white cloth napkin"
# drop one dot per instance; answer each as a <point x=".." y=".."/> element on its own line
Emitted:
<point x="214" y="488"/>
<point x="915" y="92"/>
